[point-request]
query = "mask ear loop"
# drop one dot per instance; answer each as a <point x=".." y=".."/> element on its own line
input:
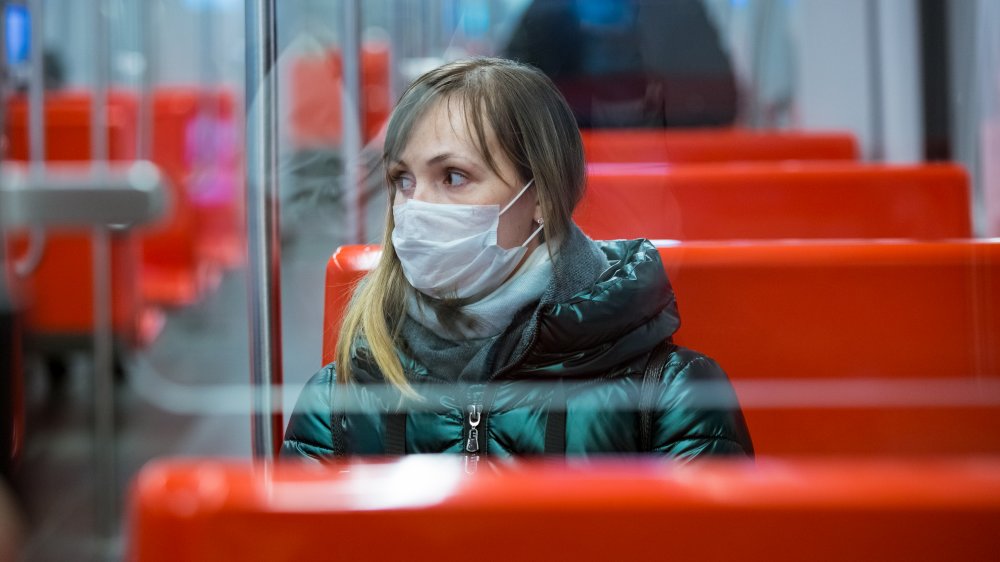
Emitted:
<point x="541" y="224"/>
<point x="533" y="234"/>
<point x="518" y="196"/>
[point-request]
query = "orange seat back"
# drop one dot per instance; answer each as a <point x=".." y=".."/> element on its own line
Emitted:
<point x="168" y="246"/>
<point x="811" y="309"/>
<point x="419" y="507"/>
<point x="679" y="146"/>
<point x="60" y="290"/>
<point x="889" y="319"/>
<point x="315" y="96"/>
<point x="767" y="201"/>
<point x="67" y="123"/>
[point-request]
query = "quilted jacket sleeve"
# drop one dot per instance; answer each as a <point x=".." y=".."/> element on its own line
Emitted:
<point x="310" y="434"/>
<point x="696" y="412"/>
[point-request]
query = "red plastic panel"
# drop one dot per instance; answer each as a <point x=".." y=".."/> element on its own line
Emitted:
<point x="714" y="145"/>
<point x="850" y="310"/>
<point x="346" y="267"/>
<point x="61" y="288"/>
<point x="316" y="96"/>
<point x="767" y="201"/>
<point x="810" y="309"/>
<point x="60" y="291"/>
<point x="841" y="308"/>
<point x="196" y="145"/>
<point x="420" y="507"/>
<point x="67" y="121"/>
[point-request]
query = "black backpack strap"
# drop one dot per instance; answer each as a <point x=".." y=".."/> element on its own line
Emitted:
<point x="655" y="364"/>
<point x="555" y="427"/>
<point x="338" y="418"/>
<point x="395" y="433"/>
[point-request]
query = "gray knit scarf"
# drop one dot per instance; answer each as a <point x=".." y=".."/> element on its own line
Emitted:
<point x="577" y="265"/>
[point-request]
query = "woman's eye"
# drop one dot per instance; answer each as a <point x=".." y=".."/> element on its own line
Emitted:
<point x="456" y="179"/>
<point x="404" y="183"/>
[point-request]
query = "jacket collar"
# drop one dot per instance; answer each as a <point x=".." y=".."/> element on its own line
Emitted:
<point x="608" y="302"/>
<point x="594" y="326"/>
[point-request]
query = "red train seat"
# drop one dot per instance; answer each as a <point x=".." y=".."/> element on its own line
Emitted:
<point x="195" y="144"/>
<point x="419" y="507"/>
<point x="775" y="200"/>
<point x="907" y="314"/>
<point x="214" y="158"/>
<point x="679" y="146"/>
<point x="316" y="96"/>
<point x="879" y="316"/>
<point x="173" y="273"/>
<point x="60" y="290"/>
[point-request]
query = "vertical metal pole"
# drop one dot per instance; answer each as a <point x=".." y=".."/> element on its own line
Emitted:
<point x="876" y="96"/>
<point x="98" y="103"/>
<point x="207" y="111"/>
<point x="436" y="31"/>
<point x="104" y="405"/>
<point x="495" y="9"/>
<point x="36" y="88"/>
<point x="3" y="93"/>
<point x="264" y="247"/>
<point x="351" y="115"/>
<point x="6" y="400"/>
<point x="418" y="34"/>
<point x="147" y="49"/>
<point x="394" y="10"/>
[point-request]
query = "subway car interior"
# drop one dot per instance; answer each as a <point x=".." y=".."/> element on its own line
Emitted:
<point x="192" y="190"/>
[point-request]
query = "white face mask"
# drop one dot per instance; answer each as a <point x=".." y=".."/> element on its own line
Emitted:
<point x="451" y="251"/>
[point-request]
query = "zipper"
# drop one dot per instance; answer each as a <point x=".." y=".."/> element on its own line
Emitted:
<point x="475" y="416"/>
<point x="490" y="393"/>
<point x="472" y="440"/>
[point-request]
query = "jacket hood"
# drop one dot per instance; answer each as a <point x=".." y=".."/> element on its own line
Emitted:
<point x="621" y="314"/>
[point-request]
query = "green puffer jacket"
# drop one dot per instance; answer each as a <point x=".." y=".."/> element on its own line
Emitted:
<point x="568" y="379"/>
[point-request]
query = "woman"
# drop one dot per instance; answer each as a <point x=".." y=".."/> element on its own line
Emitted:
<point x="492" y="325"/>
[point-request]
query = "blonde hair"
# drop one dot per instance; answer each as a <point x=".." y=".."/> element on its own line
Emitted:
<point x="534" y="129"/>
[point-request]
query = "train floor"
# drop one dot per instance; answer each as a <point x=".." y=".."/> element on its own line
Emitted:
<point x="187" y="394"/>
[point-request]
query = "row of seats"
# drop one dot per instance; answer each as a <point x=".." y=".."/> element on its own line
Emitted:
<point x="421" y="507"/>
<point x="173" y="262"/>
<point x="902" y="312"/>
<point x="763" y="201"/>
<point x="849" y="305"/>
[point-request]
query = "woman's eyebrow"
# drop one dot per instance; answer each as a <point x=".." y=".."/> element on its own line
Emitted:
<point x="465" y="160"/>
<point x="441" y="157"/>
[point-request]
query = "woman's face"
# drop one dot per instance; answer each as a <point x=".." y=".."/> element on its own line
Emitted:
<point x="440" y="164"/>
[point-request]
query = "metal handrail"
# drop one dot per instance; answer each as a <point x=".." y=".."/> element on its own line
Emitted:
<point x="76" y="194"/>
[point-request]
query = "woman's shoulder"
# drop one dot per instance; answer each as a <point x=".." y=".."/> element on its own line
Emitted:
<point x="686" y="363"/>
<point x="325" y="376"/>
<point x="699" y="410"/>
<point x="680" y="373"/>
<point x="626" y="250"/>
<point x="309" y="431"/>
<point x="318" y="388"/>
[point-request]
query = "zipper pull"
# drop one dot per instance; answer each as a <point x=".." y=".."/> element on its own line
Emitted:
<point x="475" y="414"/>
<point x="471" y="464"/>
<point x="472" y="445"/>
